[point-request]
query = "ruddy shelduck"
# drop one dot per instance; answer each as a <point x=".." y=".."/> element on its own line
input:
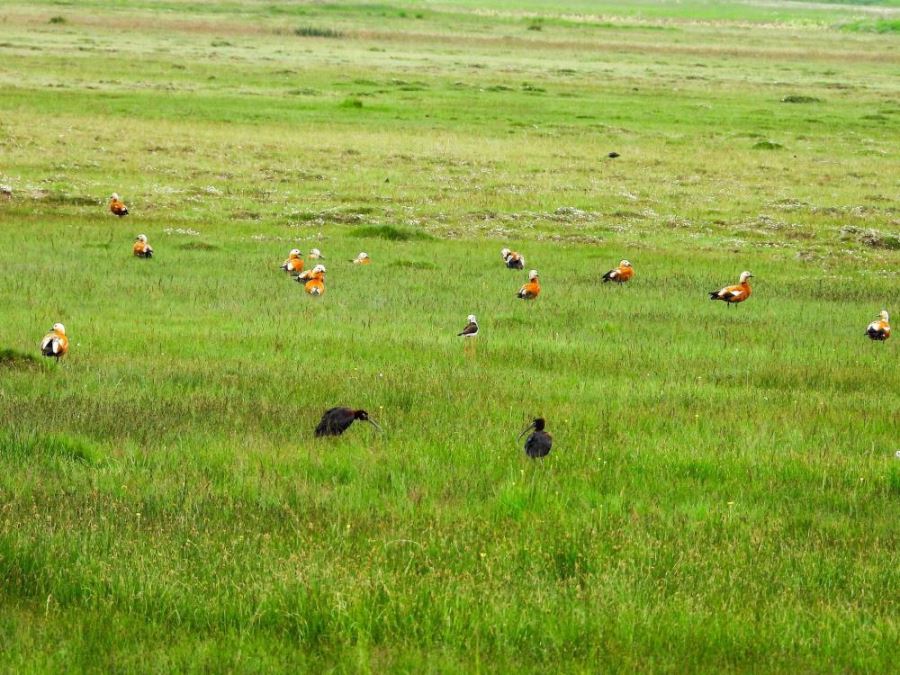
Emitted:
<point x="880" y="329"/>
<point x="362" y="259"/>
<point x="314" y="280"/>
<point x="532" y="289"/>
<point x="117" y="206"/>
<point x="141" y="248"/>
<point x="512" y="259"/>
<point x="55" y="343"/>
<point x="316" y="254"/>
<point x="620" y="274"/>
<point x="294" y="263"/>
<point x="734" y="294"/>
<point x="312" y="273"/>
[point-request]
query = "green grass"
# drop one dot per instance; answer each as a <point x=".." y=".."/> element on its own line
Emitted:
<point x="874" y="26"/>
<point x="722" y="491"/>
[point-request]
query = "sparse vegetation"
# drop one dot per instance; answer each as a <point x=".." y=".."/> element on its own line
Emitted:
<point x="871" y="237"/>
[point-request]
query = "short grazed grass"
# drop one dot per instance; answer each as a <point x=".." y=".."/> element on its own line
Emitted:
<point x="722" y="493"/>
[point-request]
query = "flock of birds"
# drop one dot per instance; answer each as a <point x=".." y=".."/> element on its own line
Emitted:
<point x="313" y="280"/>
<point x="335" y="421"/>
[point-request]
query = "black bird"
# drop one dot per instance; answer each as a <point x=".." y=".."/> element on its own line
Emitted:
<point x="539" y="442"/>
<point x="613" y="155"/>
<point x="336" y="421"/>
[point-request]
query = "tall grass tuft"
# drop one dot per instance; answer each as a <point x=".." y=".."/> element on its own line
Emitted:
<point x="13" y="359"/>
<point x="315" y="31"/>
<point x="61" y="446"/>
<point x="391" y="233"/>
<point x="798" y="98"/>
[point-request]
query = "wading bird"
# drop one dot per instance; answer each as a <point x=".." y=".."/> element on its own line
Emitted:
<point x="880" y="329"/>
<point x="532" y="289"/>
<point x="361" y="259"/>
<point x="294" y="263"/>
<point x="313" y="280"/>
<point x="734" y="294"/>
<point x="315" y="254"/>
<point x="620" y="274"/>
<point x="117" y="206"/>
<point x="539" y="442"/>
<point x="336" y="421"/>
<point x="55" y="343"/>
<point x="513" y="259"/>
<point x="141" y="248"/>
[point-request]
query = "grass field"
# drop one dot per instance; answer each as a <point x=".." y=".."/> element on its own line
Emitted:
<point x="722" y="494"/>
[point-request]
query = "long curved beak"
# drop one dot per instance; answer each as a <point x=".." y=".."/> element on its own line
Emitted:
<point x="372" y="422"/>
<point x="525" y="430"/>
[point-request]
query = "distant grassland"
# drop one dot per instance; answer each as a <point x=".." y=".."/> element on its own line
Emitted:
<point x="722" y="493"/>
<point x="874" y="26"/>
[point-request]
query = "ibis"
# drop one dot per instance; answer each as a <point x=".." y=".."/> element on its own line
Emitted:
<point x="336" y="421"/>
<point x="539" y="442"/>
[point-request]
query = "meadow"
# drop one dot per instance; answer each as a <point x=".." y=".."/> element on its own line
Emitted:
<point x="723" y="490"/>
